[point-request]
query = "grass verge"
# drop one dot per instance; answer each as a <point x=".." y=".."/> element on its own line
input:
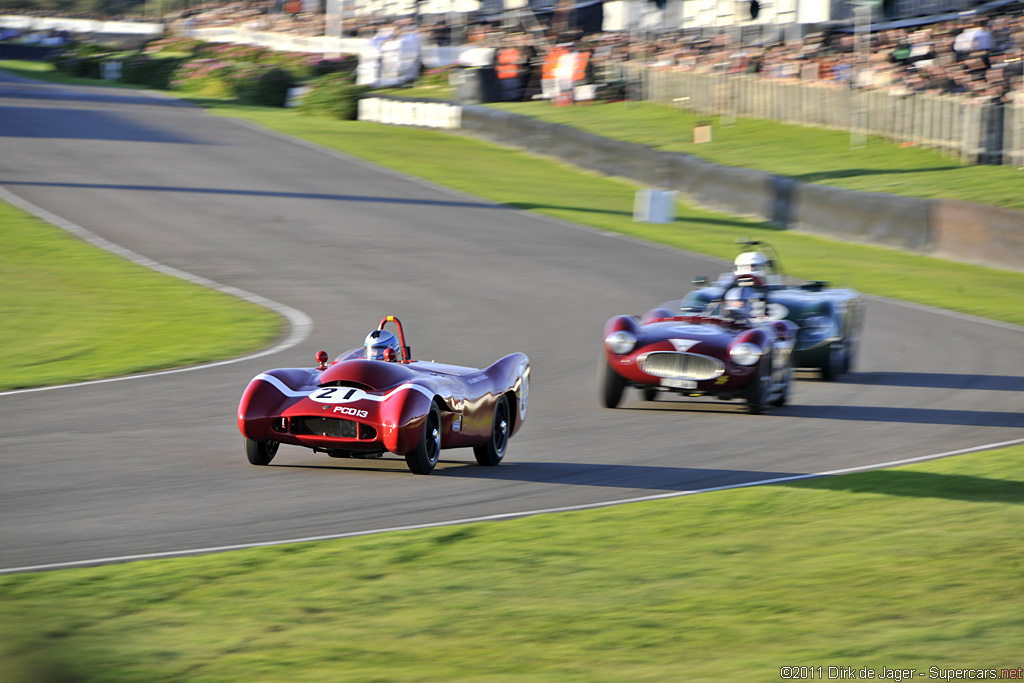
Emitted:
<point x="73" y="312"/>
<point x="908" y="568"/>
<point x="811" y="155"/>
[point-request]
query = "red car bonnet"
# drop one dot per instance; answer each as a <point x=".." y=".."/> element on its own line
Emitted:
<point x="378" y="375"/>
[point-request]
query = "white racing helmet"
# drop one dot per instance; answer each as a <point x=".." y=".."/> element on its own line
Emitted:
<point x="377" y="344"/>
<point x="752" y="263"/>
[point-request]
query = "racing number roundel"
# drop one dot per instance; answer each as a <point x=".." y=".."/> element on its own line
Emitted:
<point x="337" y="395"/>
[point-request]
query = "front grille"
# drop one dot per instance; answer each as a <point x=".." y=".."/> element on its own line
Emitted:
<point x="672" y="365"/>
<point x="325" y="426"/>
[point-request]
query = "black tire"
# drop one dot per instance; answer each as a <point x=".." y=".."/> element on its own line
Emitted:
<point x="612" y="385"/>
<point x="787" y="386"/>
<point x="650" y="393"/>
<point x="851" y="355"/>
<point x="833" y="369"/>
<point x="260" y="452"/>
<point x="423" y="458"/>
<point x="490" y="454"/>
<point x="760" y="387"/>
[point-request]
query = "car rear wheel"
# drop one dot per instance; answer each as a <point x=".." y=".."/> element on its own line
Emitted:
<point x="833" y="369"/>
<point x="851" y="355"/>
<point x="612" y="385"/>
<point x="760" y="387"/>
<point x="491" y="453"/>
<point x="423" y="458"/>
<point x="260" y="452"/>
<point x="650" y="393"/>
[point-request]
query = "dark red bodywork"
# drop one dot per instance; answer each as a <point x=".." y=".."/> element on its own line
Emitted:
<point x="357" y="407"/>
<point x="691" y="354"/>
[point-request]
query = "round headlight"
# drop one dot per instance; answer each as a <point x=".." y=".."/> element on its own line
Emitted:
<point x="745" y="354"/>
<point x="620" y="342"/>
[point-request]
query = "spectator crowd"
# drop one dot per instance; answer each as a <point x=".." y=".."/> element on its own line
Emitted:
<point x="976" y="56"/>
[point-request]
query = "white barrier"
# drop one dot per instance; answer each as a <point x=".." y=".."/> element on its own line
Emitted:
<point x="431" y="55"/>
<point x="423" y="114"/>
<point x="24" y="23"/>
<point x="654" y="206"/>
<point x="282" y="42"/>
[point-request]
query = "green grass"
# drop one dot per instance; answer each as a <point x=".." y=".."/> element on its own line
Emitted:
<point x="806" y="154"/>
<point x="74" y="312"/>
<point x="913" y="567"/>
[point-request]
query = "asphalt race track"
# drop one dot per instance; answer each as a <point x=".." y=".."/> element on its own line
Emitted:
<point x="155" y="465"/>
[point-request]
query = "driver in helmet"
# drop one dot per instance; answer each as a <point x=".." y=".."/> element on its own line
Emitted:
<point x="752" y="263"/>
<point x="743" y="302"/>
<point x="736" y="302"/>
<point x="381" y="345"/>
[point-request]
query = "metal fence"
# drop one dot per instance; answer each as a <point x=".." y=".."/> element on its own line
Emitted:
<point x="975" y="133"/>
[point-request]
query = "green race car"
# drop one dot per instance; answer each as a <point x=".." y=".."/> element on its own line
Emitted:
<point x="830" y="320"/>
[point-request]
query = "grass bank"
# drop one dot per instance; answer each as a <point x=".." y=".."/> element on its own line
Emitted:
<point x="909" y="568"/>
<point x="812" y="155"/>
<point x="73" y="312"/>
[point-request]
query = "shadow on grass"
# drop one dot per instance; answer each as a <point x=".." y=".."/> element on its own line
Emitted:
<point x="920" y="485"/>
<point x="823" y="176"/>
<point x="53" y="78"/>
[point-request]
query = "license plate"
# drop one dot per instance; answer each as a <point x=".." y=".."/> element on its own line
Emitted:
<point x="679" y="383"/>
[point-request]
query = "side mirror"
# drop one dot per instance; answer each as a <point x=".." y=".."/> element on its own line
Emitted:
<point x="699" y="281"/>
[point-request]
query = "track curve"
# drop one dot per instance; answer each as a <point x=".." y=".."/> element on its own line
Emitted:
<point x="156" y="466"/>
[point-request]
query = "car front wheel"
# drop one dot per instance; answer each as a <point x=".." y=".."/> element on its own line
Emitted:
<point x="423" y="458"/>
<point x="782" y="396"/>
<point x="612" y="385"/>
<point x="760" y="387"/>
<point x="260" y="452"/>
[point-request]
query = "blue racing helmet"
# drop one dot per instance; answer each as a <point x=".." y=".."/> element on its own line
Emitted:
<point x="738" y="298"/>
<point x="377" y="344"/>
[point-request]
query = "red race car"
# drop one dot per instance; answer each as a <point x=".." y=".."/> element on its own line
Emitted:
<point x="729" y="349"/>
<point x="376" y="399"/>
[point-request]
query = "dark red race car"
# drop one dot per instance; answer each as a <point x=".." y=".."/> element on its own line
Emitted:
<point x="376" y="399"/>
<point x="729" y="349"/>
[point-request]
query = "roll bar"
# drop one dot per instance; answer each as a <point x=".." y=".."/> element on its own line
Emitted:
<point x="406" y="352"/>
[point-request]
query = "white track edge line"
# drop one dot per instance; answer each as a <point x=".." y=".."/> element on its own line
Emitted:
<point x="300" y="324"/>
<point x="497" y="517"/>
